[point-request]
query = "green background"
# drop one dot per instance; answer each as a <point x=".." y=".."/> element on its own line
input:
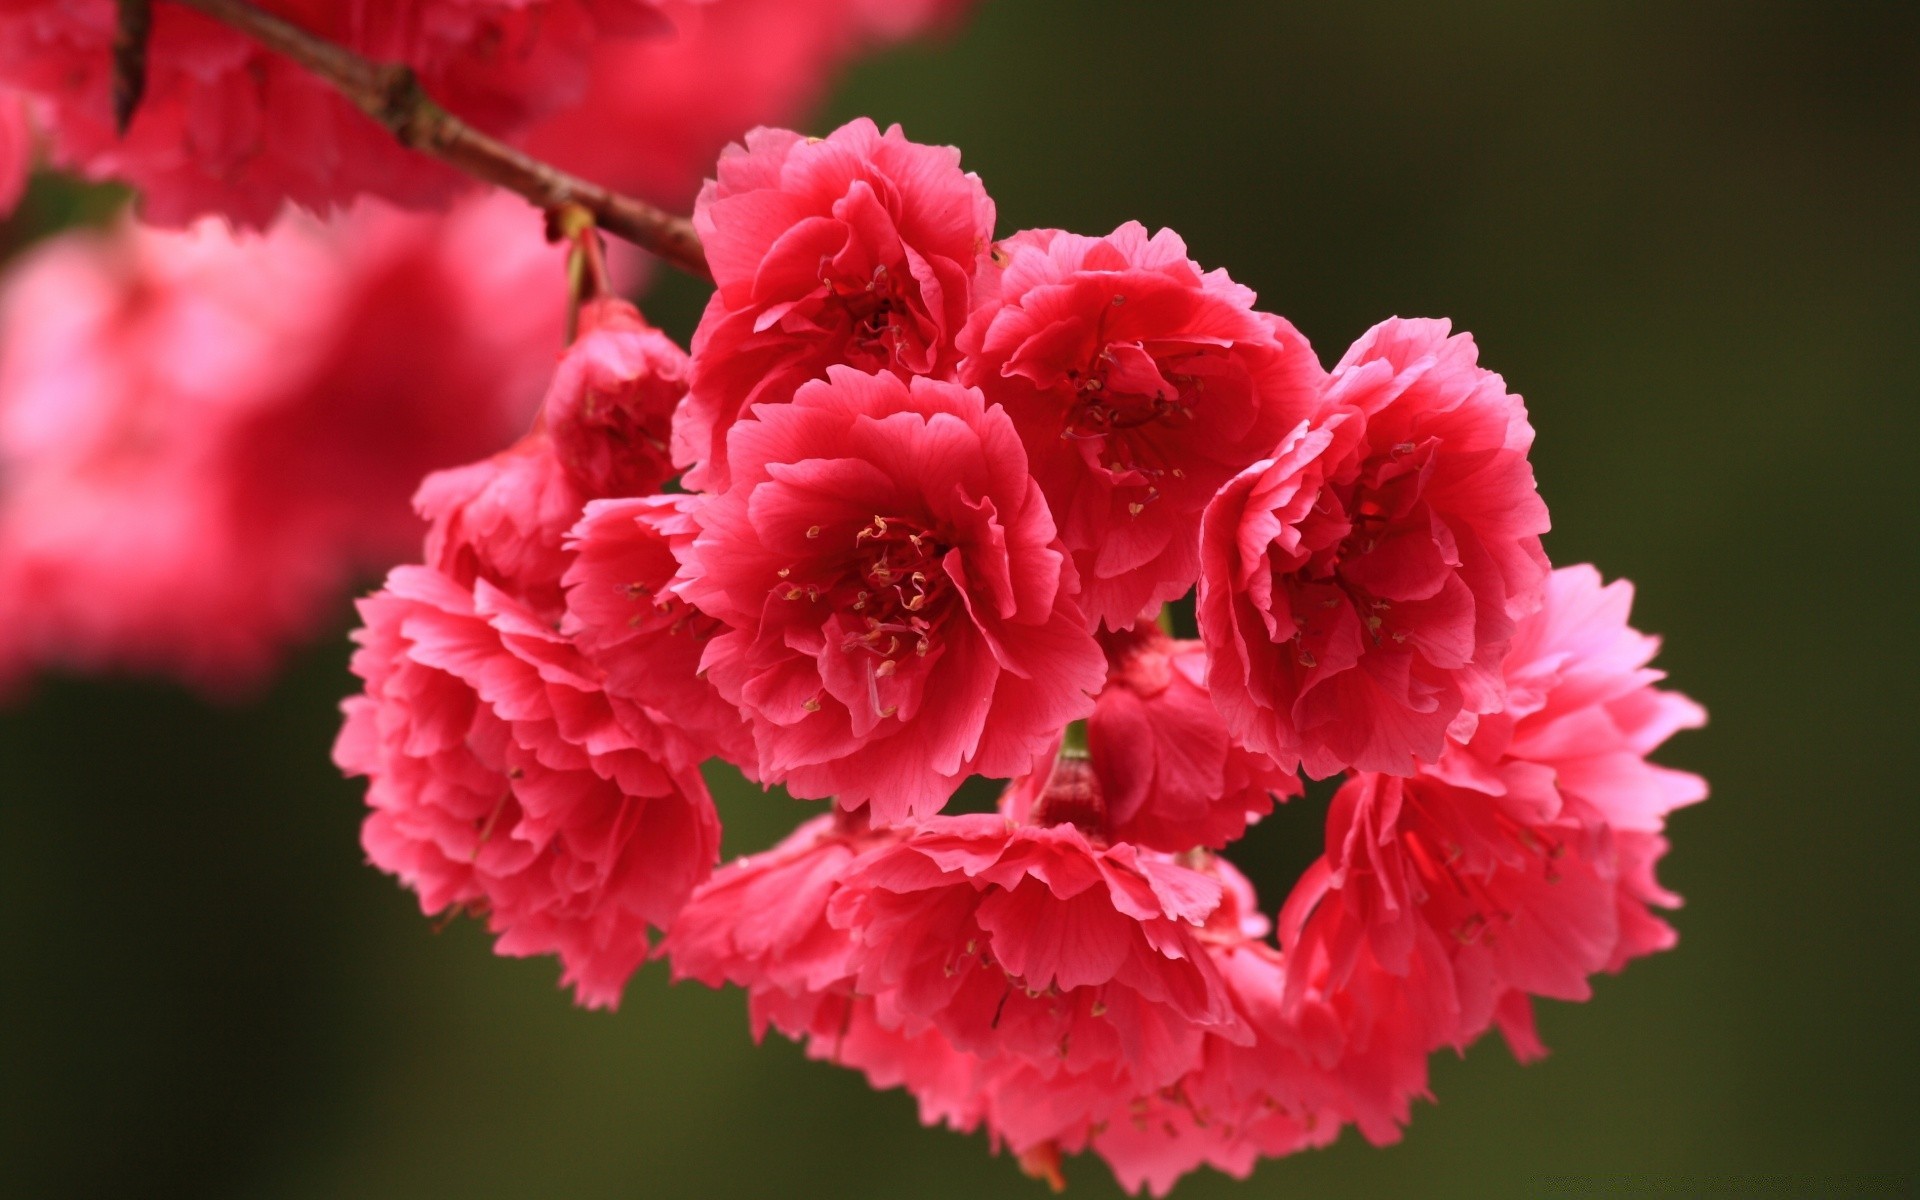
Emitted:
<point x="1688" y="233"/>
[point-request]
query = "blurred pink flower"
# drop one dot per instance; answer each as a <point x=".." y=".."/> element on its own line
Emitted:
<point x="1139" y="384"/>
<point x="205" y="435"/>
<point x="230" y="127"/>
<point x="898" y="612"/>
<point x="658" y="111"/>
<point x="1360" y="585"/>
<point x="854" y="250"/>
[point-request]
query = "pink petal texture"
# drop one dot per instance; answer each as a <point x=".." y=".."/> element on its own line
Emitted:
<point x="898" y="612"/>
<point x="1360" y="585"/>
<point x="858" y="249"/>
<point x="230" y="127"/>
<point x="1170" y="775"/>
<point x="1139" y="384"/>
<point x="623" y="613"/>
<point x="1014" y="976"/>
<point x="205" y="437"/>
<point x="505" y="777"/>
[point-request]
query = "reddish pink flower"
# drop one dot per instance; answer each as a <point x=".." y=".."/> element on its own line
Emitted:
<point x="1066" y="969"/>
<point x="483" y="719"/>
<point x="503" y="783"/>
<point x="898" y="612"/>
<point x="1524" y="858"/>
<point x="206" y="436"/>
<point x="1360" y="585"/>
<point x="228" y="126"/>
<point x="624" y="615"/>
<point x="1170" y="778"/>
<point x="658" y="111"/>
<point x="610" y="409"/>
<point x="1139" y="384"/>
<point x="855" y="250"/>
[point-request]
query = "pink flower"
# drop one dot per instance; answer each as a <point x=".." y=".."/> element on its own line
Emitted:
<point x="1139" y="384"/>
<point x="503" y="783"/>
<point x="855" y="250"/>
<point x="205" y="436"/>
<point x="1523" y="859"/>
<point x="610" y="409"/>
<point x="1360" y="585"/>
<point x="658" y="111"/>
<point x="1019" y="977"/>
<point x="228" y="126"/>
<point x="623" y="614"/>
<point x="898" y="612"/>
<point x="1169" y="776"/>
<point x="483" y="718"/>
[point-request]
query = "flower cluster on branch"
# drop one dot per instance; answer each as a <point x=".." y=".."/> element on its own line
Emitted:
<point x="908" y="511"/>
<point x="937" y="487"/>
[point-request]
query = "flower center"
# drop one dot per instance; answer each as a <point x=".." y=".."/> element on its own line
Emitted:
<point x="1130" y="401"/>
<point x="893" y="585"/>
<point x="1123" y="389"/>
<point x="1345" y="523"/>
<point x="878" y="318"/>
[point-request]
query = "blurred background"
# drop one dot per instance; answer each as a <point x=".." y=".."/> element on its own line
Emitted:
<point x="1688" y="234"/>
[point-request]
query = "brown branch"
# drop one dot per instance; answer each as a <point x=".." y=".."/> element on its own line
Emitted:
<point x="392" y="95"/>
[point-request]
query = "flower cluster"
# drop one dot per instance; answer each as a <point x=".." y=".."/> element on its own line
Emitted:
<point x="935" y="490"/>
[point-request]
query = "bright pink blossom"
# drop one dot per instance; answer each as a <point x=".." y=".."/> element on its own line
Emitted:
<point x="503" y="783"/>
<point x="854" y="250"/>
<point x="504" y="776"/>
<point x="1360" y="585"/>
<point x="1032" y="945"/>
<point x="1016" y="976"/>
<point x="1523" y="859"/>
<point x="610" y="409"/>
<point x="228" y="126"/>
<point x="1139" y="384"/>
<point x="206" y="436"/>
<point x="899" y="612"/>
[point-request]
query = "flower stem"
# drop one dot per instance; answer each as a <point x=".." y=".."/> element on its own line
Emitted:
<point x="391" y="94"/>
<point x="1073" y="741"/>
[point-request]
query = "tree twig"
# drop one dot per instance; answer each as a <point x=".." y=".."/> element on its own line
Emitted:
<point x="391" y="94"/>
